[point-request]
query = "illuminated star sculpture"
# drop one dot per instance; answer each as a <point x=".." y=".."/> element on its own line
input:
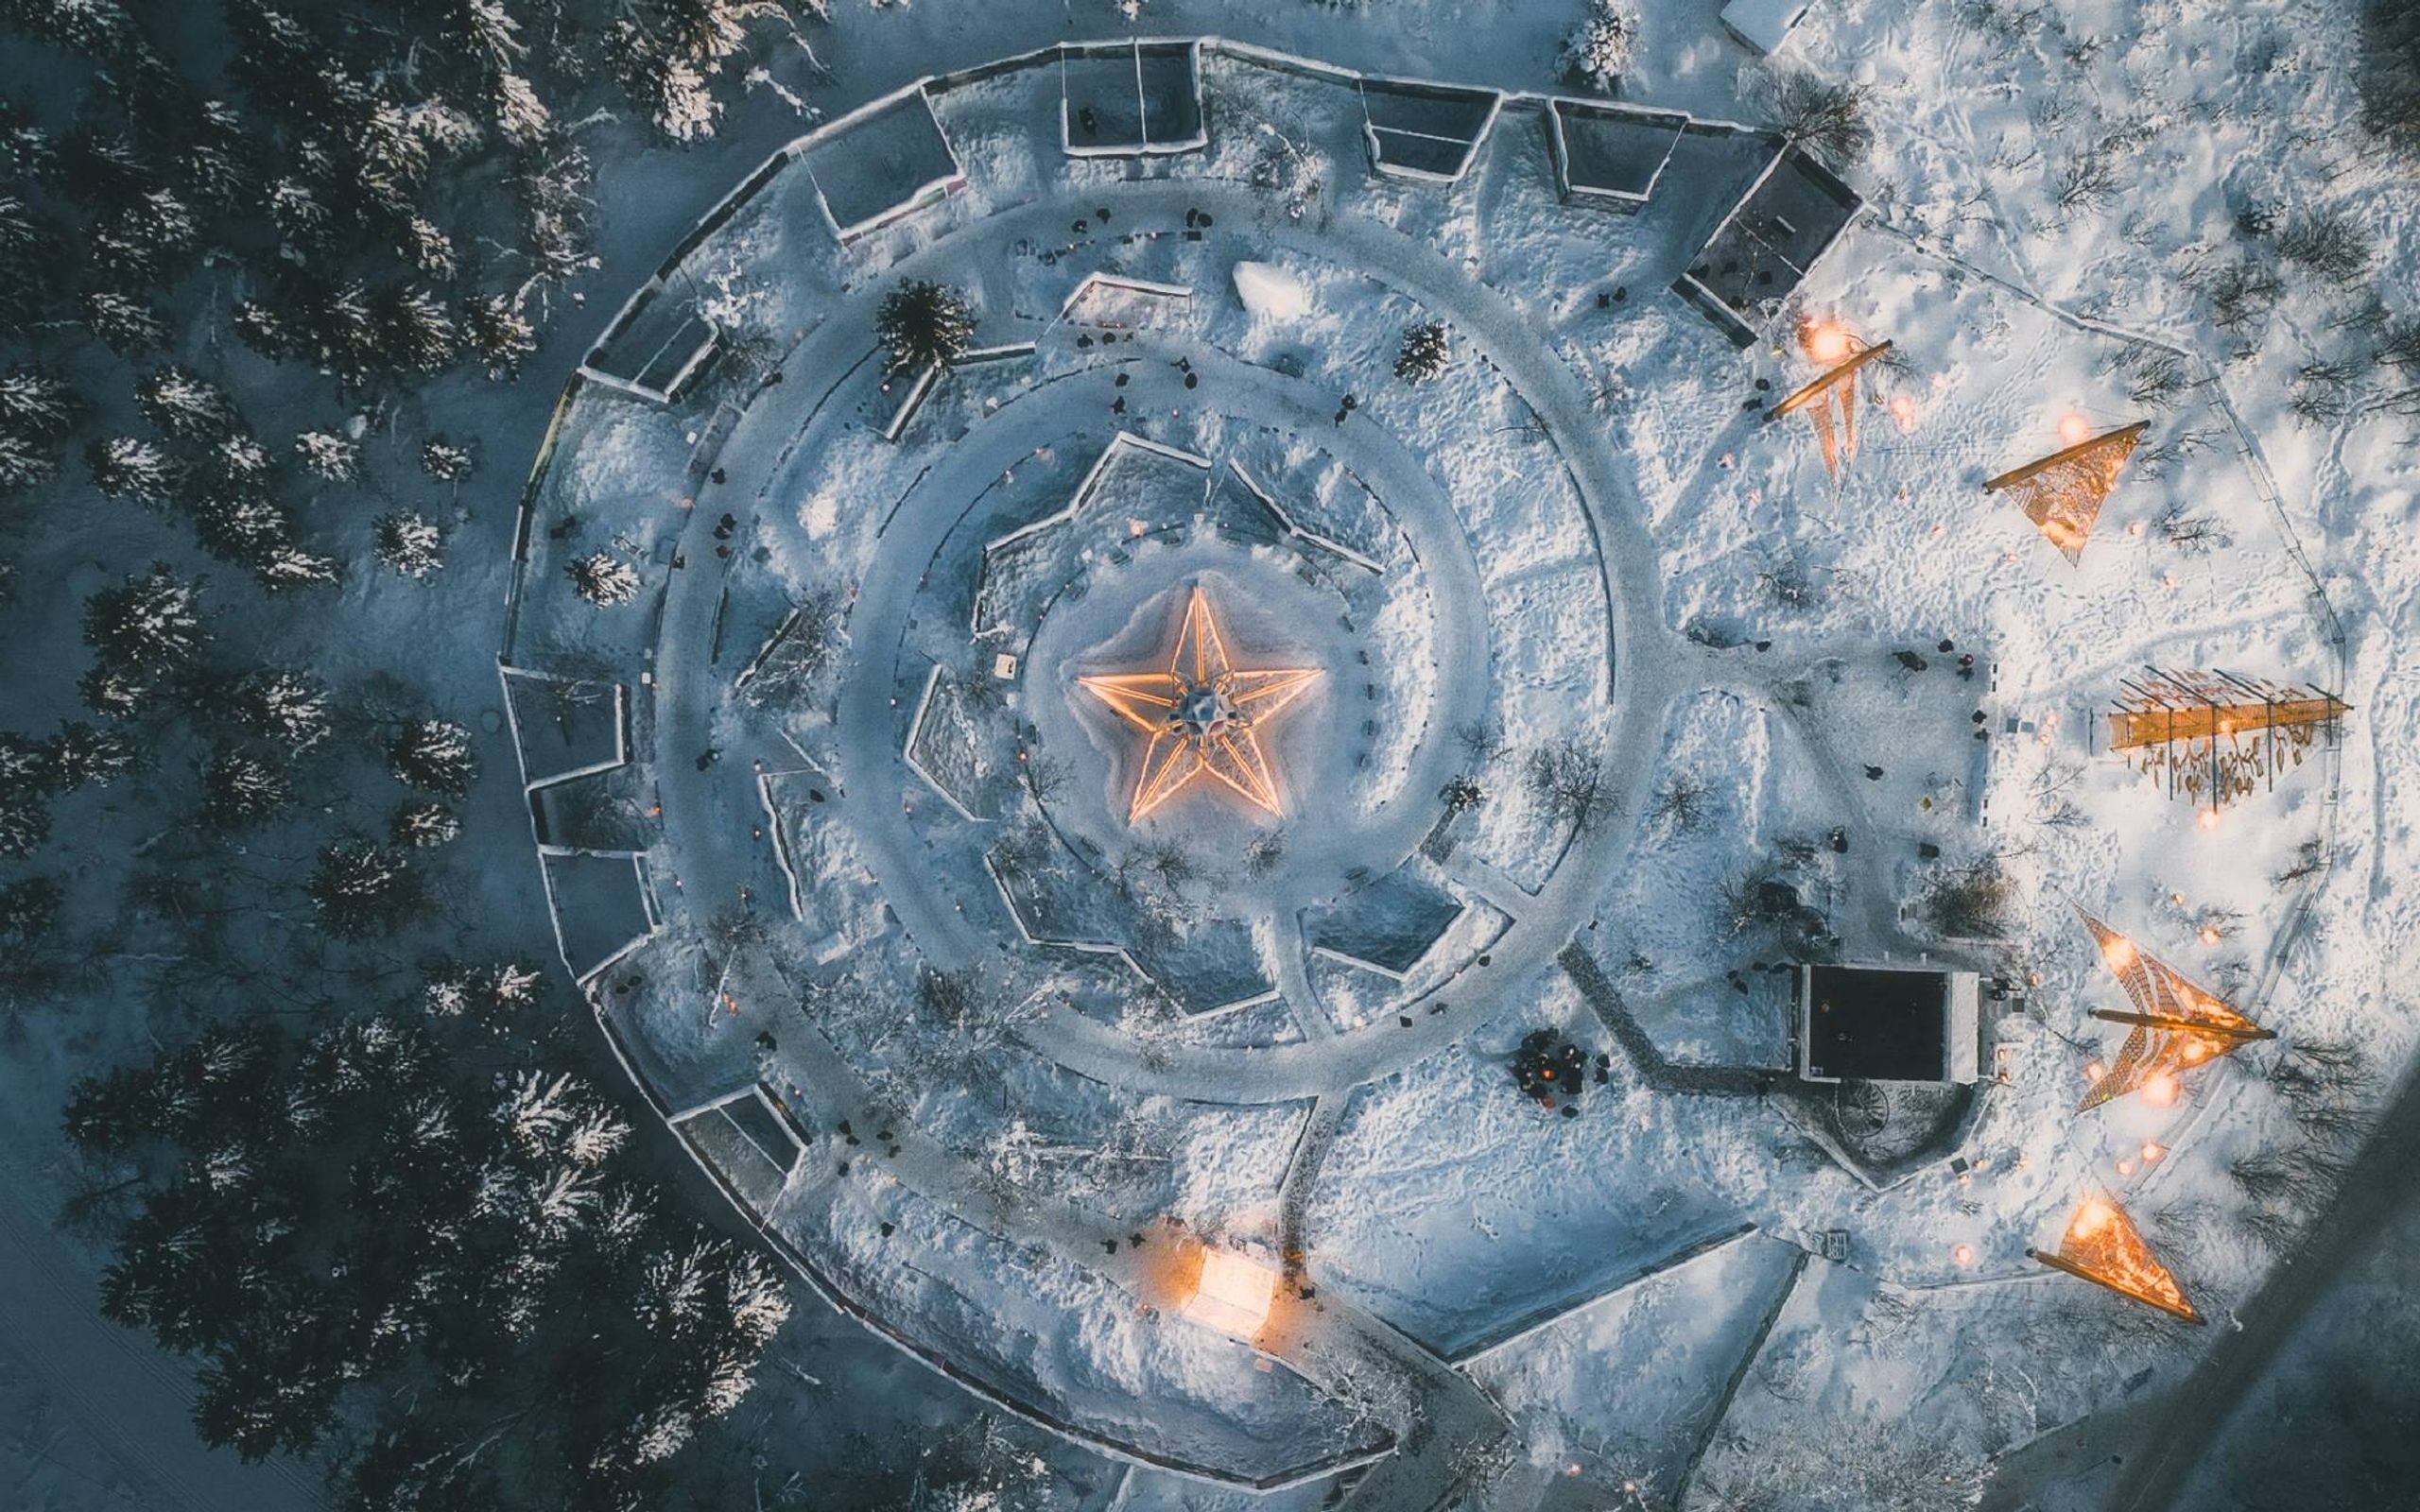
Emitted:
<point x="1201" y="716"/>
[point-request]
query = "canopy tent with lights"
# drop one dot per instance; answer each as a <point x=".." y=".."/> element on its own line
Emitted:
<point x="2101" y="1245"/>
<point x="2176" y="1023"/>
<point x="2062" y="494"/>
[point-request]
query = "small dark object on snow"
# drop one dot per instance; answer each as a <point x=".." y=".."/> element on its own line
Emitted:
<point x="844" y="1126"/>
<point x="1947" y="645"/>
<point x="885" y="1227"/>
<point x="1403" y="1021"/>
<point x="844" y="1168"/>
<point x="775" y="377"/>
<point x="1913" y="661"/>
<point x="1118" y="408"/>
<point x="1101" y="215"/>
<point x="1192" y="379"/>
<point x="1926" y="850"/>
<point x="1124" y="378"/>
<point x="1764" y="385"/>
<point x="1603" y="300"/>
<point x="1752" y="404"/>
<point x="717" y="475"/>
<point x="1979" y="717"/>
<point x="1840" y="842"/>
<point x="1340" y="417"/>
<point x="1571" y="1110"/>
<point x="1134" y="1240"/>
<point x="1351" y="403"/>
<point x="1764" y="645"/>
<point x="1621" y="292"/>
<point x="1110" y="1245"/>
<point x="1079" y="228"/>
<point x="1873" y="774"/>
<point x="1205" y="220"/>
<point x="1547" y="1065"/>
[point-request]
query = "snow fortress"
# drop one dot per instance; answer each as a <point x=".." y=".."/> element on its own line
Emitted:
<point x="853" y="873"/>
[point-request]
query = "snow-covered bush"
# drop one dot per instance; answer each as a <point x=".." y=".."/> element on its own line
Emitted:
<point x="124" y="321"/>
<point x="37" y="403"/>
<point x="29" y="909"/>
<point x="923" y="324"/>
<point x="81" y="755"/>
<point x="24" y="463"/>
<point x="409" y="543"/>
<point x="434" y="755"/>
<point x="1600" y="45"/>
<point x="1425" y="353"/>
<point x="445" y="461"/>
<point x="603" y="578"/>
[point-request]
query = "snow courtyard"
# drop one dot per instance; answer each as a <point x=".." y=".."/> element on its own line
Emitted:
<point x="1627" y="697"/>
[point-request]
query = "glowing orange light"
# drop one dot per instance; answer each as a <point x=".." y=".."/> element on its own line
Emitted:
<point x="2152" y="1150"/>
<point x="2209" y="820"/>
<point x="2125" y="1168"/>
<point x="2118" y="952"/>
<point x="2159" y="1088"/>
<point x="1827" y="341"/>
<point x="2210" y="935"/>
<point x="1203" y="715"/>
<point x="2093" y="1069"/>
<point x="1962" y="1254"/>
<point x="1903" y="413"/>
<point x="2090" y="1219"/>
<point x="2074" y="430"/>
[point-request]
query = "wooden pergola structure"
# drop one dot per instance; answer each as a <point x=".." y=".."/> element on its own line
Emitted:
<point x="2217" y="736"/>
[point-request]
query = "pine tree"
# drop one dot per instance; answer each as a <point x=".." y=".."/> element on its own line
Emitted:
<point x="434" y="755"/>
<point x="1426" y="353"/>
<point x="290" y="566"/>
<point x="240" y="789"/>
<point x="126" y="467"/>
<point x="497" y="333"/>
<point x="921" y="324"/>
<point x="328" y="455"/>
<point x="359" y="890"/>
<point x="29" y="909"/>
<point x="409" y="543"/>
<point x="603" y="578"/>
<point x="185" y="405"/>
<point x="81" y="755"/>
<point x="95" y="28"/>
<point x="152" y="624"/>
<point x="426" y="826"/>
<point x="38" y="403"/>
<point x="24" y="824"/>
<point x="287" y="708"/>
<point x="24" y="463"/>
<point x="124" y="321"/>
<point x="445" y="461"/>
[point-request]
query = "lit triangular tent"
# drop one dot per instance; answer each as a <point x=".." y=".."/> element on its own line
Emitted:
<point x="2062" y="492"/>
<point x="1836" y="389"/>
<point x="2101" y="1245"/>
<point x="2177" y="1024"/>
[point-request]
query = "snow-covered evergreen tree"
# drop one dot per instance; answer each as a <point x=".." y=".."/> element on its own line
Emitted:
<point x="409" y="543"/>
<point x="240" y="789"/>
<point x="185" y="405"/>
<point x="434" y="755"/>
<point x="1425" y="353"/>
<point x="922" y="324"/>
<point x="126" y="467"/>
<point x="96" y="29"/>
<point x="151" y="625"/>
<point x="82" y="755"/>
<point x="1599" y="49"/>
<point x="24" y="463"/>
<point x="603" y="578"/>
<point x="24" y="824"/>
<point x="326" y="454"/>
<point x="125" y="322"/>
<point x="290" y="566"/>
<point x="445" y="461"/>
<point x="426" y="826"/>
<point x="286" y="707"/>
<point x="360" y="889"/>
<point x="29" y="909"/>
<point x="38" y="403"/>
<point x="497" y="333"/>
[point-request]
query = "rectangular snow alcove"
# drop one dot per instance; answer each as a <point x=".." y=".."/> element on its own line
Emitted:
<point x="1417" y="129"/>
<point x="1791" y="216"/>
<point x="1611" y="155"/>
<point x="1131" y="99"/>
<point x="1882" y="1024"/>
<point x="656" y="348"/>
<point x="889" y="160"/>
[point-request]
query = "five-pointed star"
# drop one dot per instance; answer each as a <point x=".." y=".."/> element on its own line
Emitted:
<point x="1201" y="714"/>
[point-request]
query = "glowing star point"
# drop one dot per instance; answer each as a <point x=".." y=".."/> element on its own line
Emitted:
<point x="1201" y="716"/>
